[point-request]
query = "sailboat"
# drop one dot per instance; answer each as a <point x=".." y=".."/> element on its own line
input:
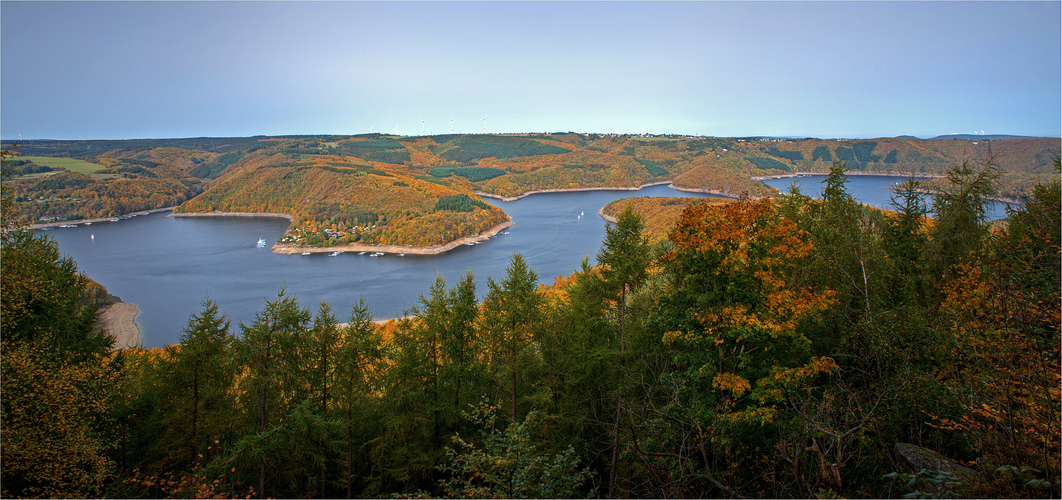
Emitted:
<point x="261" y="243"/>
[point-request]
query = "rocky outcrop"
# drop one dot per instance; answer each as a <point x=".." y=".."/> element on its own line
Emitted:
<point x="916" y="458"/>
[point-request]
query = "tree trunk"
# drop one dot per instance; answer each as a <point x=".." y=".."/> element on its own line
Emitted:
<point x="619" y="397"/>
<point x="195" y="413"/>
<point x="261" y="429"/>
<point x="350" y="439"/>
<point x="513" y="370"/>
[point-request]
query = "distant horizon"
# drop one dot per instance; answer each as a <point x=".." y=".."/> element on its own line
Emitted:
<point x="986" y="135"/>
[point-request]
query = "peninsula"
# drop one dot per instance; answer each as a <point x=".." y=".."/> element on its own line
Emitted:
<point x="424" y="194"/>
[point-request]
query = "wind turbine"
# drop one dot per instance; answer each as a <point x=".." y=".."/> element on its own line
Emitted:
<point x="422" y="126"/>
<point x="396" y="129"/>
<point x="484" y="124"/>
<point x="372" y="127"/>
<point x="451" y="124"/>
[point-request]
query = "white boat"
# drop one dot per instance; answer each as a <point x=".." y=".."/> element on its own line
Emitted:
<point x="401" y="255"/>
<point x="88" y="223"/>
<point x="261" y="243"/>
<point x="362" y="253"/>
<point x="333" y="254"/>
<point x="306" y="253"/>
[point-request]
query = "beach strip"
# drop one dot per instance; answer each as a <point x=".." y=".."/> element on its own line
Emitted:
<point x="119" y="320"/>
<point x="233" y="214"/>
<point x="567" y="190"/>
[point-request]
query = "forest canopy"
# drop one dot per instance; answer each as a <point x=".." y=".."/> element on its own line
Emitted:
<point x="768" y="348"/>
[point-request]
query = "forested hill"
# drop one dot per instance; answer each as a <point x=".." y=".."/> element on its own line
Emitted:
<point x="773" y="348"/>
<point x="339" y="187"/>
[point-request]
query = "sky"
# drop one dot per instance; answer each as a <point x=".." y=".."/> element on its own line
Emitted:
<point x="124" y="70"/>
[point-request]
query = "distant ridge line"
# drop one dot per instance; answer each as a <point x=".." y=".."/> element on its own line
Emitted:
<point x="986" y="137"/>
<point x="989" y="137"/>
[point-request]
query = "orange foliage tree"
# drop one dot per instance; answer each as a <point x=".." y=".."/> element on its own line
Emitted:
<point x="734" y="315"/>
<point x="1002" y="310"/>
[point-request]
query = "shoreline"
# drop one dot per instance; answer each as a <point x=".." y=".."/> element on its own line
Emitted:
<point x="718" y="195"/>
<point x="233" y="214"/>
<point x="848" y="173"/>
<point x="118" y="320"/>
<point x="998" y="199"/>
<point x="101" y="219"/>
<point x="566" y="190"/>
<point x="714" y="192"/>
<point x="284" y="249"/>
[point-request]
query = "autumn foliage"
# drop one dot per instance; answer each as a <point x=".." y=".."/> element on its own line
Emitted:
<point x="770" y="347"/>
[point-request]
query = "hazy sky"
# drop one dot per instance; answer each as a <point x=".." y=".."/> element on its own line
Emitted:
<point x="103" y="70"/>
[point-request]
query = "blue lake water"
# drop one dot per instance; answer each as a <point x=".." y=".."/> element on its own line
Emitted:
<point x="168" y="265"/>
<point x="869" y="189"/>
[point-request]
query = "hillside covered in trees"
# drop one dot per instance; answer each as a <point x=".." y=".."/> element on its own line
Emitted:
<point x="766" y="348"/>
<point x="422" y="191"/>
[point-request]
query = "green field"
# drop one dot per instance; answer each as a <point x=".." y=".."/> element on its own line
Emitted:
<point x="71" y="164"/>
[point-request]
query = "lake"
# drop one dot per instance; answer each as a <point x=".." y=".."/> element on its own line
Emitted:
<point x="169" y="265"/>
<point x="869" y="189"/>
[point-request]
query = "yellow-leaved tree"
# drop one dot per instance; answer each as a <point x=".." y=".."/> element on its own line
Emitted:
<point x="734" y="314"/>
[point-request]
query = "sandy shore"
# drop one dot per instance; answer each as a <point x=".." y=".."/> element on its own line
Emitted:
<point x="849" y="173"/>
<point x="103" y="219"/>
<point x="568" y="190"/>
<point x="285" y="249"/>
<point x="713" y="192"/>
<point x="119" y="320"/>
<point x="233" y="214"/>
